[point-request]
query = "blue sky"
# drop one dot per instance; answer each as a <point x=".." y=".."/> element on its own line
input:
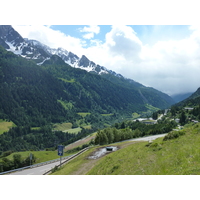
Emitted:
<point x="148" y="34"/>
<point x="165" y="57"/>
<point x="74" y="30"/>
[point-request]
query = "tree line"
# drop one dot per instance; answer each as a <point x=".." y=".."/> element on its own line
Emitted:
<point x="25" y="138"/>
<point x="17" y="162"/>
<point x="128" y="130"/>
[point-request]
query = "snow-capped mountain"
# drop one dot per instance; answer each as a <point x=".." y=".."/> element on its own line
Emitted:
<point x="32" y="49"/>
<point x="12" y="41"/>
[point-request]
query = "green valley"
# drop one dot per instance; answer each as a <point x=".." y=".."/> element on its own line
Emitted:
<point x="45" y="102"/>
<point x="161" y="157"/>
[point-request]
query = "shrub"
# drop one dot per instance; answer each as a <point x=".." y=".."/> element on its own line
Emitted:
<point x="155" y="146"/>
<point x="54" y="169"/>
<point x="173" y="135"/>
<point x="6" y="153"/>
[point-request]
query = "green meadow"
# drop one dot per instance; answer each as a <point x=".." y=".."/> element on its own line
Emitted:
<point x="83" y="114"/>
<point x="41" y="156"/>
<point x="4" y="126"/>
<point x="62" y="126"/>
<point x="178" y="155"/>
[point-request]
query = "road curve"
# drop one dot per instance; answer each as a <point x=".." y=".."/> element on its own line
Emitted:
<point x="37" y="170"/>
<point x="45" y="168"/>
<point x="149" y="138"/>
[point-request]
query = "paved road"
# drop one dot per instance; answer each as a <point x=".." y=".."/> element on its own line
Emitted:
<point x="37" y="170"/>
<point x="42" y="169"/>
<point x="149" y="138"/>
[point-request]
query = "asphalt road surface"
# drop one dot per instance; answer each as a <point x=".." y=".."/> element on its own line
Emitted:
<point x="42" y="169"/>
<point x="37" y="170"/>
<point x="149" y="138"/>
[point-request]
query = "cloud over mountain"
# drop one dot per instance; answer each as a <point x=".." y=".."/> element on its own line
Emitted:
<point x="168" y="64"/>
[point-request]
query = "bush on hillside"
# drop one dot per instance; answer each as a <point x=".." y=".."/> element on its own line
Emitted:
<point x="173" y="135"/>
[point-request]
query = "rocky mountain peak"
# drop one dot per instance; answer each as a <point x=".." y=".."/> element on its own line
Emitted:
<point x="8" y="34"/>
<point x="84" y="61"/>
<point x="35" y="50"/>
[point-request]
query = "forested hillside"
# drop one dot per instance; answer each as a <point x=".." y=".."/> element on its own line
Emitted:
<point x="55" y="92"/>
<point x="41" y="95"/>
<point x="91" y="91"/>
<point x="192" y="100"/>
<point x="148" y="95"/>
<point x="28" y="94"/>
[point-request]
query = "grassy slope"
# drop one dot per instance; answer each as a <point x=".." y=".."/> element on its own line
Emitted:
<point x="77" y="165"/>
<point x="62" y="126"/>
<point x="41" y="156"/>
<point x="74" y="130"/>
<point x="176" y="156"/>
<point x="4" y="126"/>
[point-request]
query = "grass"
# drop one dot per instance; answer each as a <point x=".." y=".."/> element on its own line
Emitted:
<point x="62" y="126"/>
<point x="41" y="156"/>
<point x="83" y="114"/>
<point x="178" y="156"/>
<point x="135" y="115"/>
<point x="66" y="105"/>
<point x="68" y="127"/>
<point x="74" y="130"/>
<point x="88" y="126"/>
<point x="67" y="81"/>
<point x="4" y="126"/>
<point x="151" y="108"/>
<point x="74" y="165"/>
<point x="105" y="115"/>
<point x="35" y="128"/>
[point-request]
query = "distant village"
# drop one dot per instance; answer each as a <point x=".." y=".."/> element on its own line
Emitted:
<point x="151" y="121"/>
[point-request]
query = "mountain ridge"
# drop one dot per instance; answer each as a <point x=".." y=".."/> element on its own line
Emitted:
<point x="41" y="54"/>
<point x="44" y="53"/>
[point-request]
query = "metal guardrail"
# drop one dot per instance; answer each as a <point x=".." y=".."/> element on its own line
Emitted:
<point x="68" y="159"/>
<point x="36" y="165"/>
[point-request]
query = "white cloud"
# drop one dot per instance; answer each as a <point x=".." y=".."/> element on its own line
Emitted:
<point x="172" y="66"/>
<point x="121" y="47"/>
<point x="90" y="31"/>
<point x="122" y="40"/>
<point x="91" y="28"/>
<point x="51" y="38"/>
<point x="88" y="36"/>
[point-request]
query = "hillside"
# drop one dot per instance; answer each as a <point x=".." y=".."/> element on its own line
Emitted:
<point x="54" y="92"/>
<point x="92" y="89"/>
<point x="40" y="53"/>
<point x="40" y="89"/>
<point x="180" y="97"/>
<point x="193" y="99"/>
<point x="149" y="95"/>
<point x="161" y="157"/>
<point x="28" y="94"/>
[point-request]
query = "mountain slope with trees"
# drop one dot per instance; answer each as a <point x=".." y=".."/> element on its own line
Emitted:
<point x="29" y="94"/>
<point x="40" y="53"/>
<point x="35" y="95"/>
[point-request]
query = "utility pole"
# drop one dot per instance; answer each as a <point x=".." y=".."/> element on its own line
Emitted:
<point x="31" y="157"/>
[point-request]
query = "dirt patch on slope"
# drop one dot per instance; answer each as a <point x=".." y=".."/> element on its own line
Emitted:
<point x="84" y="168"/>
<point x="90" y="163"/>
<point x="79" y="143"/>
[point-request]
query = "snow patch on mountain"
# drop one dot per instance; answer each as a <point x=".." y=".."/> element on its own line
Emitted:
<point x="43" y="61"/>
<point x="33" y="49"/>
<point x="14" y="49"/>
